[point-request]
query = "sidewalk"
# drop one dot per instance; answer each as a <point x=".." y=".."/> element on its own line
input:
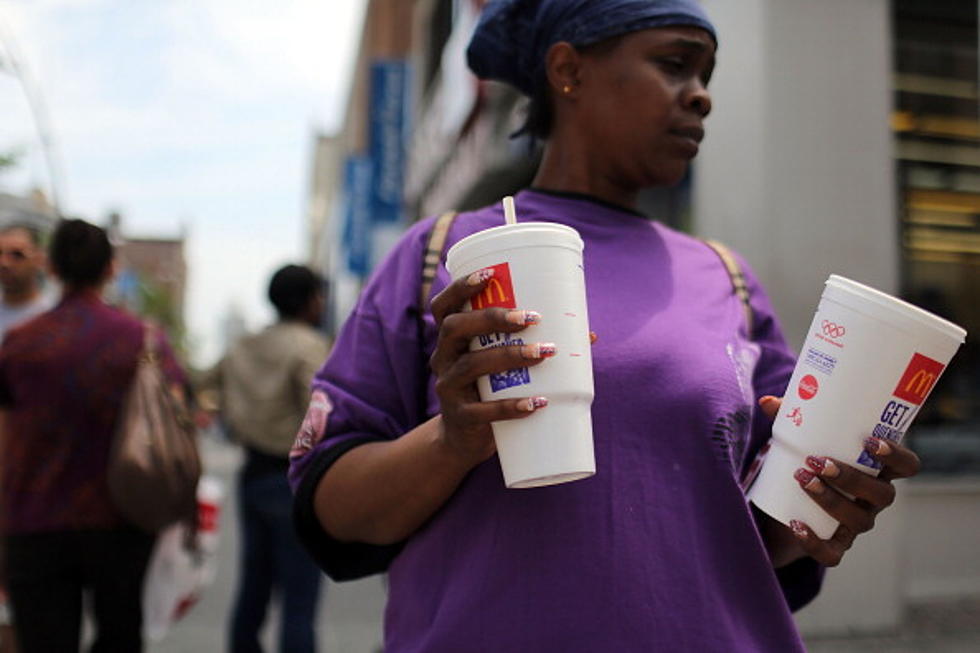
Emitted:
<point x="349" y="616"/>
<point x="949" y="627"/>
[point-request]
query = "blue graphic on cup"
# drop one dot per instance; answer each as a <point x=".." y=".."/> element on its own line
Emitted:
<point x="866" y="460"/>
<point x="509" y="379"/>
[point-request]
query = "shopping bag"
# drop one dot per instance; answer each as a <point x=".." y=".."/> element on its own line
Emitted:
<point x="183" y="564"/>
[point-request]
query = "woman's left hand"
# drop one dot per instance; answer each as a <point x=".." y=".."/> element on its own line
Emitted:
<point x="831" y="482"/>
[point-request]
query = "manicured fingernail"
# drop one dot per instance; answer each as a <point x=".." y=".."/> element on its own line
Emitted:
<point x="539" y="350"/>
<point x="877" y="446"/>
<point x="830" y="469"/>
<point x="523" y="318"/>
<point x="479" y="277"/>
<point x="808" y="481"/>
<point x="592" y="337"/>
<point x="823" y="467"/>
<point x="531" y="404"/>
<point x="798" y="528"/>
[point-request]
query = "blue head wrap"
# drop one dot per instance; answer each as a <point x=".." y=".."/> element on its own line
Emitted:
<point x="513" y="36"/>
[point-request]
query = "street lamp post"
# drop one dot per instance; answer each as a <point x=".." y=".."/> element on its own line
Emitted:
<point x="9" y="63"/>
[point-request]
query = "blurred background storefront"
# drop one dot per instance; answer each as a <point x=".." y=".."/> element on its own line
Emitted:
<point x="845" y="139"/>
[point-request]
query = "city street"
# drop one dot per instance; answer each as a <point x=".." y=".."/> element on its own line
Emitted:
<point x="276" y="188"/>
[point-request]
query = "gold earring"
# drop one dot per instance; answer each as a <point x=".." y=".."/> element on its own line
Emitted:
<point x="566" y="89"/>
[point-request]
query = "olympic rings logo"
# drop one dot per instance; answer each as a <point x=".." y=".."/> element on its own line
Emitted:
<point x="833" y="330"/>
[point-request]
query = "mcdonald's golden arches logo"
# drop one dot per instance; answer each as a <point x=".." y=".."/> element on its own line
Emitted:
<point x="499" y="290"/>
<point x="919" y="378"/>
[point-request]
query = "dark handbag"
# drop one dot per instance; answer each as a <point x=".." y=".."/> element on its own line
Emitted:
<point x="154" y="464"/>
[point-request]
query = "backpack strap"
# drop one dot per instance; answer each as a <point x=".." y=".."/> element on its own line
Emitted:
<point x="430" y="265"/>
<point x="433" y="255"/>
<point x="737" y="278"/>
<point x="149" y="351"/>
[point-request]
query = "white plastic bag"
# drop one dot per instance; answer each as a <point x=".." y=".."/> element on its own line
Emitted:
<point x="178" y="574"/>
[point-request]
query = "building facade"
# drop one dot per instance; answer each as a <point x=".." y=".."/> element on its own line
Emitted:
<point x="151" y="279"/>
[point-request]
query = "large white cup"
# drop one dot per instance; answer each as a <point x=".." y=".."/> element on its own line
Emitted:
<point x="537" y="266"/>
<point x="867" y="366"/>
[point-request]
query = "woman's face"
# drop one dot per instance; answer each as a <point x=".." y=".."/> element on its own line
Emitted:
<point x="643" y="102"/>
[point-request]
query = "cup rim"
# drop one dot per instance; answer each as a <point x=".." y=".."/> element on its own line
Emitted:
<point x="884" y="300"/>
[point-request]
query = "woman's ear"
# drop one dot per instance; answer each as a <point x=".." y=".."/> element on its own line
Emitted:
<point x="562" y="65"/>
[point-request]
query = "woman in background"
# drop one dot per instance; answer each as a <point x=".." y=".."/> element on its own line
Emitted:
<point x="63" y="378"/>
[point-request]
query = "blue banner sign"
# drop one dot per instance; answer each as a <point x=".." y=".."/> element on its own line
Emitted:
<point x="357" y="214"/>
<point x="388" y="136"/>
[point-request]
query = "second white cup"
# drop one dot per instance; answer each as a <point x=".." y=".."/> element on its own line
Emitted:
<point x="868" y="363"/>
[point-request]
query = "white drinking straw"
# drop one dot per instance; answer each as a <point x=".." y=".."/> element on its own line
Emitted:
<point x="510" y="216"/>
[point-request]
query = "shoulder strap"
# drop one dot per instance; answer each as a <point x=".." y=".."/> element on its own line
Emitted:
<point x="430" y="265"/>
<point x="433" y="254"/>
<point x="737" y="277"/>
<point x="149" y="341"/>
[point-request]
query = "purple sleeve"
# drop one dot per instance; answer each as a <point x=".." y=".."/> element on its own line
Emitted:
<point x="373" y="387"/>
<point x="801" y="580"/>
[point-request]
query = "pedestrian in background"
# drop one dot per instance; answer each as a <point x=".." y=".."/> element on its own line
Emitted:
<point x="22" y="265"/>
<point x="659" y="550"/>
<point x="263" y="386"/>
<point x="63" y="379"/>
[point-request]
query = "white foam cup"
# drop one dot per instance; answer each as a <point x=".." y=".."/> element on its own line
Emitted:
<point x="537" y="266"/>
<point x="868" y="364"/>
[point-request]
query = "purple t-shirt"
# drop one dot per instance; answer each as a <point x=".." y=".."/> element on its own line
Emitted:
<point x="659" y="550"/>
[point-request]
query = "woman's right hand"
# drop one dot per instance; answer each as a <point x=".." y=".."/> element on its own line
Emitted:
<point x="465" y="425"/>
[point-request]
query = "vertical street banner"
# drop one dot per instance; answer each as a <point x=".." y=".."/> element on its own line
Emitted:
<point x="357" y="215"/>
<point x="387" y="137"/>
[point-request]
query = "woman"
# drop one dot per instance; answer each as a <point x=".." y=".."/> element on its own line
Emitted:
<point x="659" y="550"/>
<point x="63" y="378"/>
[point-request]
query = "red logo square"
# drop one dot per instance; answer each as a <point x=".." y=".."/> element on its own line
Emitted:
<point x="919" y="378"/>
<point x="499" y="290"/>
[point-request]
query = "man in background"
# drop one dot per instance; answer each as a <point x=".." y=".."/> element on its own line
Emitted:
<point x="22" y="263"/>
<point x="21" y="275"/>
<point x="263" y="389"/>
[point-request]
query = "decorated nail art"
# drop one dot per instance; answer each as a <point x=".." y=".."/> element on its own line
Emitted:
<point x="808" y="481"/>
<point x="799" y="530"/>
<point x="531" y="404"/>
<point x="877" y="446"/>
<point x="816" y="464"/>
<point x="479" y="277"/>
<point x="823" y="467"/>
<point x="830" y="469"/>
<point x="538" y="350"/>
<point x="523" y="318"/>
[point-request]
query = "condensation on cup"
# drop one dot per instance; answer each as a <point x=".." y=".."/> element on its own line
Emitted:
<point x="537" y="266"/>
<point x="868" y="364"/>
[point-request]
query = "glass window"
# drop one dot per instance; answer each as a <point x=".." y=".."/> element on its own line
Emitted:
<point x="937" y="147"/>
